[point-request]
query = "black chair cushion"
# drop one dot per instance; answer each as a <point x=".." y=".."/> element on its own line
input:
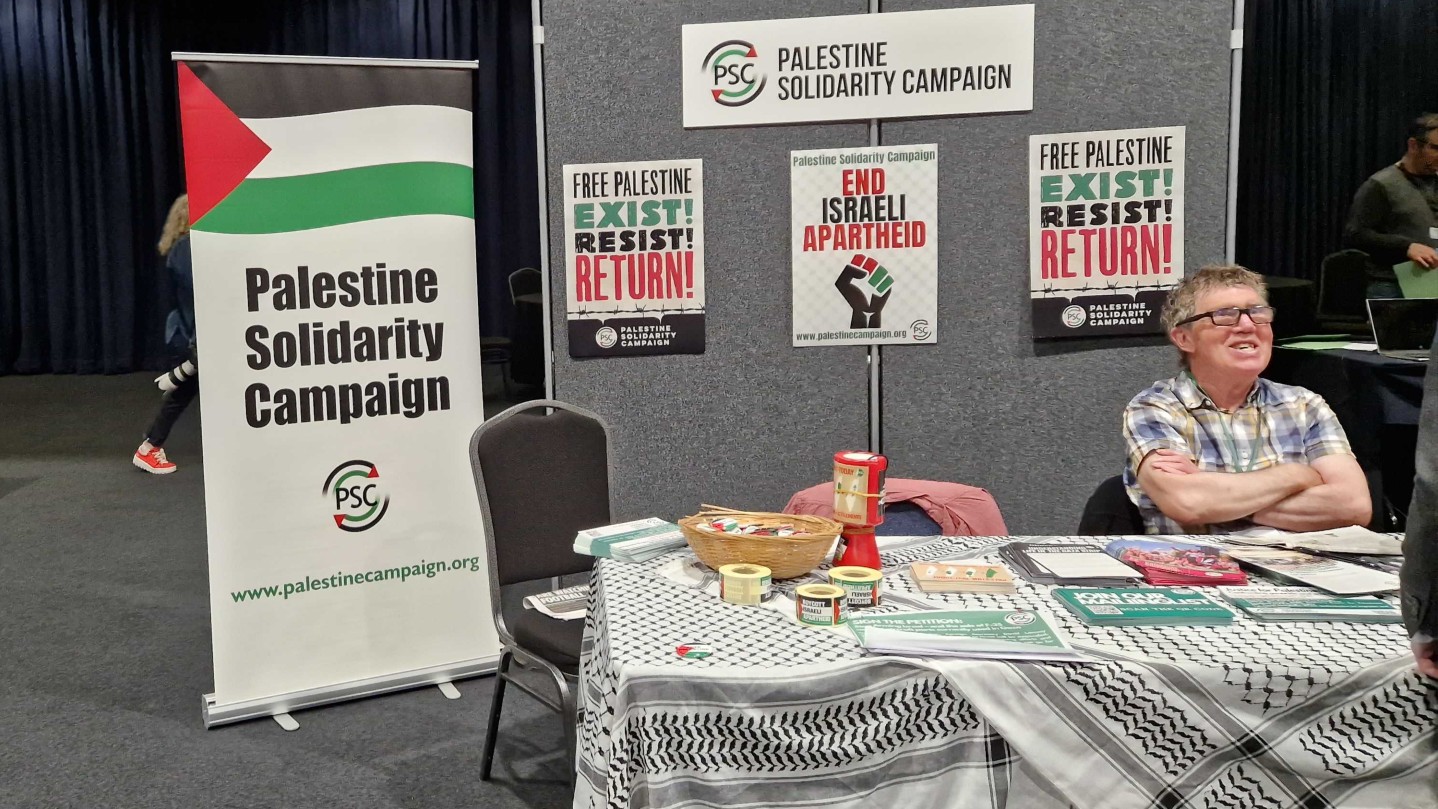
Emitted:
<point x="550" y="638"/>
<point x="907" y="519"/>
<point x="1109" y="511"/>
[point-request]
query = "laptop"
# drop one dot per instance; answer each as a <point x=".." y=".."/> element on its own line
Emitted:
<point x="1403" y="327"/>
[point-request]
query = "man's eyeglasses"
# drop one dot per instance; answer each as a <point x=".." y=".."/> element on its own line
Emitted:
<point x="1229" y="315"/>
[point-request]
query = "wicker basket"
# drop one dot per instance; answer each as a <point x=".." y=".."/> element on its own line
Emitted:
<point x="787" y="556"/>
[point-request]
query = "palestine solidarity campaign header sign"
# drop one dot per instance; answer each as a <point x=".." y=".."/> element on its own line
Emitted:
<point x="332" y="232"/>
<point x="894" y="65"/>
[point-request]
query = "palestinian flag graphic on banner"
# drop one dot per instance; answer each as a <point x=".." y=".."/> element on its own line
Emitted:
<point x="273" y="148"/>
<point x="332" y="243"/>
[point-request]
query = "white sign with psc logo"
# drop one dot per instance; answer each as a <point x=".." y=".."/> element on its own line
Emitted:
<point x="959" y="61"/>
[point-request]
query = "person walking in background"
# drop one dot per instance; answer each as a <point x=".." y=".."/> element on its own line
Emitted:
<point x="182" y="383"/>
<point x="1420" y="544"/>
<point x="1394" y="217"/>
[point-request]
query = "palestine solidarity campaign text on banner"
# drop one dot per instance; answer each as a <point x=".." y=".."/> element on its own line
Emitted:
<point x="865" y="260"/>
<point x="899" y="64"/>
<point x="634" y="258"/>
<point x="1105" y="230"/>
<point x="332" y="232"/>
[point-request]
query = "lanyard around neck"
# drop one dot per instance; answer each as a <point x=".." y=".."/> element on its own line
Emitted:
<point x="1228" y="439"/>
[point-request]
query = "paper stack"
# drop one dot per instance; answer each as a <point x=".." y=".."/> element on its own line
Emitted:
<point x="1330" y="575"/>
<point x="1174" y="562"/>
<point x="985" y="634"/>
<point x="1079" y="565"/>
<point x="1269" y="602"/>
<point x="1353" y="540"/>
<point x="633" y="541"/>
<point x="1142" y="606"/>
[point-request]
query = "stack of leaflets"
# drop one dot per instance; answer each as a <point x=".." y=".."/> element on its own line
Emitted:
<point x="995" y="634"/>
<point x="631" y="541"/>
<point x="1351" y="540"/>
<point x="1175" y="562"/>
<point x="1330" y="575"/>
<point x="962" y="577"/>
<point x="1270" y="602"/>
<point x="566" y="605"/>
<point x="1080" y="565"/>
<point x="1142" y="606"/>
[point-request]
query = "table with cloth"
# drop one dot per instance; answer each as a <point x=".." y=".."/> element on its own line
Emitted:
<point x="1248" y="715"/>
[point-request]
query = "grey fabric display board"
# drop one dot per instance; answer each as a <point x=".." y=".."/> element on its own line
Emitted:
<point x="1038" y="424"/>
<point x="752" y="420"/>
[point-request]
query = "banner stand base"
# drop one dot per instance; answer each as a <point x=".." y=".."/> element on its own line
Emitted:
<point x="286" y="722"/>
<point x="216" y="714"/>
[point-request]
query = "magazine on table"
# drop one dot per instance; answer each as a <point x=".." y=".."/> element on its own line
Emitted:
<point x="1354" y="539"/>
<point x="1330" y="575"/>
<point x="1177" y="562"/>
<point x="982" y="634"/>
<point x="1142" y="606"/>
<point x="567" y="604"/>
<point x="1081" y="565"/>
<point x="1276" y="602"/>
<point x="634" y="541"/>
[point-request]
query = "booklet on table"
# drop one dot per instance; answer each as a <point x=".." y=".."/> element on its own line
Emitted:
<point x="1273" y="602"/>
<point x="1176" y="562"/>
<point x="1330" y="575"/>
<point x="983" y="634"/>
<point x="1142" y="606"/>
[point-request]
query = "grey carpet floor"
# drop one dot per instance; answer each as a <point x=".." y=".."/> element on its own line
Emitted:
<point x="105" y="646"/>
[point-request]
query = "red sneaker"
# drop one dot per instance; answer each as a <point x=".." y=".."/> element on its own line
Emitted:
<point x="154" y="461"/>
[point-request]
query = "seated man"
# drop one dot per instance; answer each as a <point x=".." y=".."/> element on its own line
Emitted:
<point x="1219" y="450"/>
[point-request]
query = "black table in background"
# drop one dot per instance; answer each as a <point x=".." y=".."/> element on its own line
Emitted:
<point x="1377" y="399"/>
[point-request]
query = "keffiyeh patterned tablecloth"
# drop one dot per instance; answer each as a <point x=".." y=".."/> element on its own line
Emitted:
<point x="1248" y="715"/>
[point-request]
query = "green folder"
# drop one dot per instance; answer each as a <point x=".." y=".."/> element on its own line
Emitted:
<point x="1415" y="281"/>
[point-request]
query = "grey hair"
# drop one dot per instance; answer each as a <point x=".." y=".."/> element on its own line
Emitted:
<point x="1183" y="299"/>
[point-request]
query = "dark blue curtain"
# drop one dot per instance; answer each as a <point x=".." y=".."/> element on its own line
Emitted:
<point x="1329" y="87"/>
<point x="90" y="157"/>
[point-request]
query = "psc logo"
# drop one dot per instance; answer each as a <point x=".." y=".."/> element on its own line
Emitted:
<point x="733" y="71"/>
<point x="359" y="498"/>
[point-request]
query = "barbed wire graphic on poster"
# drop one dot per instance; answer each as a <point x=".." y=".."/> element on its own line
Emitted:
<point x="865" y="260"/>
<point x="1105" y="230"/>
<point x="634" y="258"/>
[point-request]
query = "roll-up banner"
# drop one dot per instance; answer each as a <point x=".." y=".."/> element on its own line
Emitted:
<point x="332" y="232"/>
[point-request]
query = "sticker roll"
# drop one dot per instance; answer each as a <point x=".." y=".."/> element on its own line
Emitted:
<point x="821" y="604"/>
<point x="744" y="583"/>
<point x="861" y="583"/>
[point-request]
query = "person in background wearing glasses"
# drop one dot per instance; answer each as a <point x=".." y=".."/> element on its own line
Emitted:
<point x="1394" y="217"/>
<point x="1218" y="449"/>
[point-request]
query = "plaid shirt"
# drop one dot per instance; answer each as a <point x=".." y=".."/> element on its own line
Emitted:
<point x="1275" y="424"/>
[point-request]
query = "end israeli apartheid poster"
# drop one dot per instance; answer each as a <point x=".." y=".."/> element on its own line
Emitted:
<point x="1105" y="230"/>
<point x="865" y="260"/>
<point x="634" y="258"/>
<point x="907" y="64"/>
